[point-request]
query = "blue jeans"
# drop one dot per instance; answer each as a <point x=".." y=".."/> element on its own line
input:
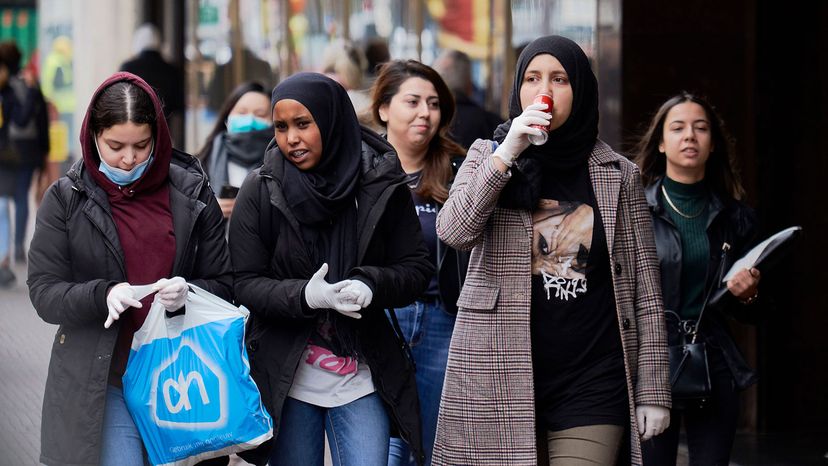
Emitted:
<point x="357" y="434"/>
<point x="5" y="225"/>
<point x="121" y="443"/>
<point x="21" y="205"/>
<point x="427" y="328"/>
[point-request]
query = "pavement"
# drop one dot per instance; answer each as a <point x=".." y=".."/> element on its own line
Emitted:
<point x="25" y="345"/>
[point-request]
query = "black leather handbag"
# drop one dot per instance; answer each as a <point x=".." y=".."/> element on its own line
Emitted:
<point x="689" y="374"/>
<point x="689" y="370"/>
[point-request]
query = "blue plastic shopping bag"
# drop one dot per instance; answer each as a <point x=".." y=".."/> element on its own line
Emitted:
<point x="187" y="383"/>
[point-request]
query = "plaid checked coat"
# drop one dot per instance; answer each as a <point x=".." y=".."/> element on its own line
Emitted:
<point x="487" y="411"/>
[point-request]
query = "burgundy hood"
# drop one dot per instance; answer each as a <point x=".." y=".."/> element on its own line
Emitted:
<point x="156" y="173"/>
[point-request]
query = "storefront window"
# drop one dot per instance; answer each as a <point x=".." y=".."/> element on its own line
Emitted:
<point x="276" y="38"/>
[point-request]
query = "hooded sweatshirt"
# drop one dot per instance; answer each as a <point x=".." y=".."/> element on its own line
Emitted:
<point x="141" y="212"/>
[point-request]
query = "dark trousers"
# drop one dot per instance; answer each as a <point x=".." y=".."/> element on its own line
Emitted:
<point x="21" y="205"/>
<point x="710" y="428"/>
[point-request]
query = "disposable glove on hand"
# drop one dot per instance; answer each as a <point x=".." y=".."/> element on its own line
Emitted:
<point x="119" y="299"/>
<point x="172" y="293"/>
<point x="320" y="294"/>
<point x="652" y="420"/>
<point x="360" y="293"/>
<point x="516" y="140"/>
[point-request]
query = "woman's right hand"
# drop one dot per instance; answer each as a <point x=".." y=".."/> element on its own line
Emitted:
<point x="517" y="139"/>
<point x="319" y="294"/>
<point x="119" y="299"/>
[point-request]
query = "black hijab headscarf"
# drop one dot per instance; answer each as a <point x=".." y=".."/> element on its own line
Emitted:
<point x="568" y="146"/>
<point x="317" y="195"/>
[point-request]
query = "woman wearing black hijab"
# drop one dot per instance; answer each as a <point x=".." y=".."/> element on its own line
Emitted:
<point x="560" y="327"/>
<point x="323" y="238"/>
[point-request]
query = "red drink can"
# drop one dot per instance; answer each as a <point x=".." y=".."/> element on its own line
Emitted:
<point x="542" y="99"/>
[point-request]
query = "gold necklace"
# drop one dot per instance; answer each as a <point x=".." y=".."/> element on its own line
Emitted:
<point x="676" y="209"/>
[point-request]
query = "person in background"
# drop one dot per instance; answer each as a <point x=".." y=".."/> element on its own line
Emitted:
<point x="237" y="143"/>
<point x="58" y="156"/>
<point x="376" y="54"/>
<point x="345" y="63"/>
<point x="132" y="211"/>
<point x="167" y="79"/>
<point x="694" y="193"/>
<point x="30" y="141"/>
<point x="473" y="121"/>
<point x="415" y="108"/>
<point x="324" y="237"/>
<point x="560" y="329"/>
<point x="223" y="81"/>
<point x="14" y="111"/>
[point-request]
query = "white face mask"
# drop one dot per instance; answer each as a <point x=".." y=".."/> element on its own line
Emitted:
<point x="120" y="176"/>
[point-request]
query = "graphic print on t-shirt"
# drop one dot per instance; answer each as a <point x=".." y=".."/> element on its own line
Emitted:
<point x="561" y="240"/>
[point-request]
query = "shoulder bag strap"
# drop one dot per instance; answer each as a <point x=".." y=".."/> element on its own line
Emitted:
<point x="717" y="280"/>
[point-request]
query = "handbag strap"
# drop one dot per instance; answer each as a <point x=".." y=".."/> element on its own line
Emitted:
<point x="401" y="337"/>
<point x="714" y="285"/>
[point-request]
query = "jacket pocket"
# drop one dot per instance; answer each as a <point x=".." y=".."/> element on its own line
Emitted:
<point x="478" y="298"/>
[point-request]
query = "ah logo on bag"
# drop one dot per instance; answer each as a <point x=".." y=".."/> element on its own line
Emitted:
<point x="189" y="391"/>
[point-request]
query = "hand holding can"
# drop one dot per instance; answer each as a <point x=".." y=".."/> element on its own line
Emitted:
<point x="541" y="140"/>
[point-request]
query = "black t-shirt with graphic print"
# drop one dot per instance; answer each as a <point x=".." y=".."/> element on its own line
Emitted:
<point x="427" y="213"/>
<point x="576" y="345"/>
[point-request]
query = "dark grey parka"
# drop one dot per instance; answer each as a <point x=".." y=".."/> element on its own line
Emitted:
<point x="74" y="258"/>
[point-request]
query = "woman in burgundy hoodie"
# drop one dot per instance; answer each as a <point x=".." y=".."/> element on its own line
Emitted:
<point x="133" y="211"/>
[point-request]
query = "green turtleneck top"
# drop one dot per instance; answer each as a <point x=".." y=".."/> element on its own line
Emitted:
<point x="691" y="200"/>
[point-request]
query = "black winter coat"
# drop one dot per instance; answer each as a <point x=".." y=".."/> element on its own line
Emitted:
<point x="75" y="257"/>
<point x="267" y="249"/>
<point x="734" y="223"/>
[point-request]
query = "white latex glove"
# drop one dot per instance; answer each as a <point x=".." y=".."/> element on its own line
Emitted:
<point x="320" y="294"/>
<point x="172" y="293"/>
<point x="360" y="293"/>
<point x="516" y="140"/>
<point x="120" y="298"/>
<point x="652" y="420"/>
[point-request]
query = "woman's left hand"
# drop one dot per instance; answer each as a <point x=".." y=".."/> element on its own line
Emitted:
<point x="172" y="293"/>
<point x="745" y="284"/>
<point x="652" y="420"/>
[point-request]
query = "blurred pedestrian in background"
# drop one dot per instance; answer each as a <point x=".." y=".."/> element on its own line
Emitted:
<point x="132" y="211"/>
<point x="18" y="107"/>
<point x="237" y="143"/>
<point x="167" y="79"/>
<point x="472" y="121"/>
<point x="415" y="107"/>
<point x="223" y="81"/>
<point x="694" y="192"/>
<point x="376" y="54"/>
<point x="345" y="63"/>
<point x="30" y="141"/>
<point x="560" y="328"/>
<point x="323" y="238"/>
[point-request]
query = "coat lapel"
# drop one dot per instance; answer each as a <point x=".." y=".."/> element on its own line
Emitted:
<point x="606" y="182"/>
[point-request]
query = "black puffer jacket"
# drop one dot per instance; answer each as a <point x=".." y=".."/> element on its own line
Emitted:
<point x="74" y="258"/>
<point x="267" y="249"/>
<point x="734" y="223"/>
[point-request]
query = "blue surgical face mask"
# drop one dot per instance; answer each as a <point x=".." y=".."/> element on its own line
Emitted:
<point x="120" y="176"/>
<point x="246" y="123"/>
